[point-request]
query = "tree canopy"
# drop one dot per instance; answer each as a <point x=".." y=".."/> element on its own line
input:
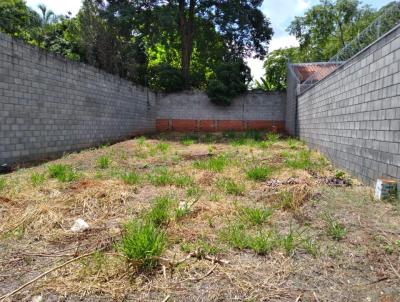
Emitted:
<point x="168" y="45"/>
<point x="322" y="32"/>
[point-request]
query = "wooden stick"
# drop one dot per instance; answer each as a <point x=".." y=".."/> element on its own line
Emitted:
<point x="2" y="298"/>
<point x="166" y="298"/>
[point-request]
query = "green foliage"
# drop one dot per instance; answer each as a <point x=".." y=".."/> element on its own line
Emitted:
<point x="103" y="162"/>
<point x="231" y="187"/>
<point x="288" y="242"/>
<point x="231" y="80"/>
<point x="165" y="78"/>
<point x="161" y="177"/>
<point x="261" y="173"/>
<point x="188" y="140"/>
<point x="37" y="178"/>
<point x="63" y="173"/>
<point x="202" y="247"/>
<point x="183" y="180"/>
<point x="303" y="160"/>
<point x="255" y="216"/>
<point x="193" y="192"/>
<point x="159" y="214"/>
<point x="328" y="26"/>
<point x="275" y="67"/>
<point x="272" y="137"/>
<point x="262" y="243"/>
<point x="334" y="228"/>
<point x="131" y="178"/>
<point x="215" y="164"/>
<point x="141" y="242"/>
<point x="2" y="183"/>
<point x="162" y="146"/>
<point x="182" y="211"/>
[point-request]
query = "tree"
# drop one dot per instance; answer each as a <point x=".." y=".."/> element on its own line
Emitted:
<point x="231" y="79"/>
<point x="327" y="27"/>
<point x="275" y="67"/>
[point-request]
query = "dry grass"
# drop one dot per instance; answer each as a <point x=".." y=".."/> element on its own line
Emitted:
<point x="304" y="263"/>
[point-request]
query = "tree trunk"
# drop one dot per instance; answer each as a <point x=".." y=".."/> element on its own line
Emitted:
<point x="186" y="29"/>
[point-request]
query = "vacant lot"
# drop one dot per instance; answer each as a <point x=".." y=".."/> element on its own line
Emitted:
<point x="229" y="217"/>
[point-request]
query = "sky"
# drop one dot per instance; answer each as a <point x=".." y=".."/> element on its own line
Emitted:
<point x="280" y="13"/>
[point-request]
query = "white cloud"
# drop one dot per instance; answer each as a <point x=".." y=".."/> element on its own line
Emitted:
<point x="60" y="7"/>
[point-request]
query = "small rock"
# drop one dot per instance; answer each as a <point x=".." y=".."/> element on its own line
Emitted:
<point x="37" y="299"/>
<point x="80" y="225"/>
<point x="55" y="193"/>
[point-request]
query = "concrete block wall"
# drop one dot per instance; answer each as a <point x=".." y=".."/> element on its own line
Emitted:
<point x="49" y="105"/>
<point x="353" y="115"/>
<point x="291" y="102"/>
<point x="193" y="111"/>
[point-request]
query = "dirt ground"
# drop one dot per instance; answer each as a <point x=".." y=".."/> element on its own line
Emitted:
<point x="325" y="237"/>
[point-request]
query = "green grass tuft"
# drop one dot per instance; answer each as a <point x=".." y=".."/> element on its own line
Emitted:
<point x="335" y="229"/>
<point x="214" y="164"/>
<point x="103" y="162"/>
<point x="159" y="213"/>
<point x="161" y="177"/>
<point x="63" y="173"/>
<point x="259" y="173"/>
<point x="188" y="140"/>
<point x="2" y="183"/>
<point x="303" y="160"/>
<point x="130" y="178"/>
<point x="141" y="242"/>
<point x="37" y="178"/>
<point x="231" y="187"/>
<point x="255" y="216"/>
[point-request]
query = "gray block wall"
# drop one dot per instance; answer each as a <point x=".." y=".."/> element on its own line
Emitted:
<point x="353" y="115"/>
<point x="291" y="102"/>
<point x="196" y="105"/>
<point x="49" y="105"/>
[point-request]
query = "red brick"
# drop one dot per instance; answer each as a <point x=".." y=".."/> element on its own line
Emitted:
<point x="162" y="125"/>
<point x="235" y="125"/>
<point x="184" y="125"/>
<point x="207" y="125"/>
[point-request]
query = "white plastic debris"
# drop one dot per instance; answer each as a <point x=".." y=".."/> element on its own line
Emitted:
<point x="37" y="299"/>
<point x="80" y="225"/>
<point x="385" y="188"/>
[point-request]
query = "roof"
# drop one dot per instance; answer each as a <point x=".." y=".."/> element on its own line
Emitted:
<point x="319" y="70"/>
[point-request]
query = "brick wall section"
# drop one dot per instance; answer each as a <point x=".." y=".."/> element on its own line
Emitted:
<point x="49" y="105"/>
<point x="193" y="111"/>
<point x="353" y="115"/>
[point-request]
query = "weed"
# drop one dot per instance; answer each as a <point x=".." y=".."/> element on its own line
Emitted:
<point x="103" y="162"/>
<point x="310" y="246"/>
<point x="183" y="181"/>
<point x="292" y="143"/>
<point x="288" y="242"/>
<point x="262" y="243"/>
<point x="215" y="164"/>
<point x="303" y="160"/>
<point x="141" y="140"/>
<point x="2" y="183"/>
<point x="229" y="134"/>
<point x="335" y="229"/>
<point x="160" y="211"/>
<point x="264" y="144"/>
<point x="182" y="211"/>
<point x="259" y="173"/>
<point x="202" y="247"/>
<point x="141" y="242"/>
<point x="188" y="140"/>
<point x="255" y="216"/>
<point x="272" y="137"/>
<point x="131" y="178"/>
<point x="235" y="236"/>
<point x="215" y="197"/>
<point x="37" y="178"/>
<point x="161" y="177"/>
<point x="162" y="146"/>
<point x="62" y="172"/>
<point x="193" y="192"/>
<point x="231" y="187"/>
